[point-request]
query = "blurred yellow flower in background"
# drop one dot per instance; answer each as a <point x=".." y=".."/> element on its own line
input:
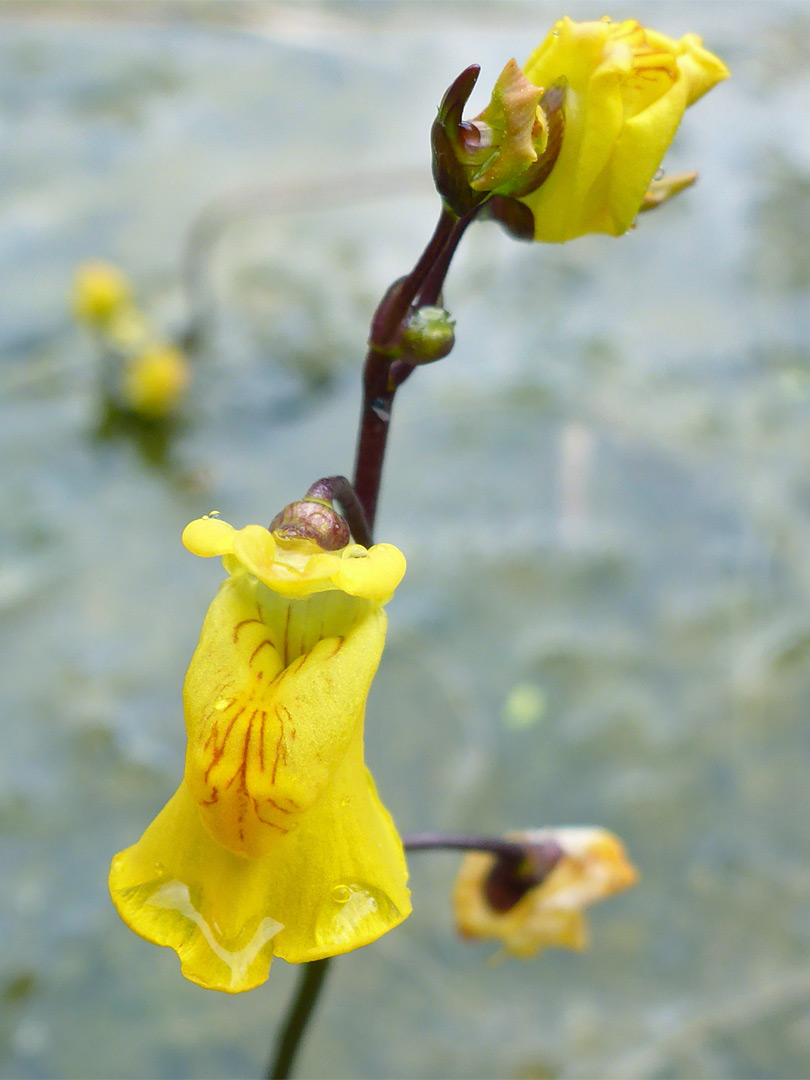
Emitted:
<point x="154" y="381"/>
<point x="627" y="90"/>
<point x="592" y="865"/>
<point x="143" y="374"/>
<point x="100" y="290"/>
<point x="275" y="843"/>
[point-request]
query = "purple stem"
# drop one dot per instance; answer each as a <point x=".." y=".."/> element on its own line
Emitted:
<point x="380" y="382"/>
<point x="432" y="841"/>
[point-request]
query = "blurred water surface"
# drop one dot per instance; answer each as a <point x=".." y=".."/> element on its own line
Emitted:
<point x="603" y="493"/>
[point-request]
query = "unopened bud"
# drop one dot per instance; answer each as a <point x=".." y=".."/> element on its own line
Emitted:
<point x="428" y="335"/>
<point x="312" y="519"/>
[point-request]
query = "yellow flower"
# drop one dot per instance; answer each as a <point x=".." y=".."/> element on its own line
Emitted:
<point x="593" y="865"/>
<point x="275" y="843"/>
<point x="628" y="88"/>
<point x="154" y="381"/>
<point x="100" y="291"/>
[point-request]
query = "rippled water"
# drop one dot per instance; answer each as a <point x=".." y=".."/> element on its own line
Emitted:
<point x="603" y="496"/>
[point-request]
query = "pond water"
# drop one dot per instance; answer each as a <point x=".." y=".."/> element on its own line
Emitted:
<point x="603" y="493"/>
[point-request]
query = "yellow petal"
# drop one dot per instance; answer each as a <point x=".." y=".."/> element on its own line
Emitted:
<point x="209" y="536"/>
<point x="256" y="550"/>
<point x="373" y="574"/>
<point x="701" y="68"/>
<point x="575" y="191"/>
<point x="628" y="88"/>
<point x="273" y="696"/>
<point x="545" y="928"/>
<point x="178" y="887"/>
<point x="334" y="884"/>
<point x="341" y="880"/>
<point x="299" y="568"/>
<point x="637" y="154"/>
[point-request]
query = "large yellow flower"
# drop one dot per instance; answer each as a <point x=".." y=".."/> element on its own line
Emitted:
<point x="627" y="89"/>
<point x="275" y="843"/>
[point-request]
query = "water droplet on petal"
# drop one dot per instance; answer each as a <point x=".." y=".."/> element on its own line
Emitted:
<point x="355" y="910"/>
<point x="213" y="514"/>
<point x="221" y="703"/>
<point x="659" y="173"/>
<point x="346" y="800"/>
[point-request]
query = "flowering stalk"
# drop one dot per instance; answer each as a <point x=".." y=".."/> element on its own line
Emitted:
<point x="433" y="841"/>
<point x="383" y="373"/>
<point x="385" y="370"/>
<point x="518" y="866"/>
<point x="300" y="1013"/>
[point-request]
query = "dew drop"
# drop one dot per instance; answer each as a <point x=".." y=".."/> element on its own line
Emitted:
<point x="659" y="173"/>
<point x="346" y="800"/>
<point x="213" y="514"/>
<point x="221" y="703"/>
<point x="355" y="911"/>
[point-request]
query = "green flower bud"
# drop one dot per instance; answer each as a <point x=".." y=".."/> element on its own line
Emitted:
<point x="428" y="335"/>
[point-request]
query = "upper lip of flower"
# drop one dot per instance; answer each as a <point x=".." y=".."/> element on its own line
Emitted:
<point x="297" y="567"/>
